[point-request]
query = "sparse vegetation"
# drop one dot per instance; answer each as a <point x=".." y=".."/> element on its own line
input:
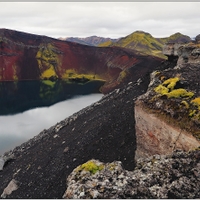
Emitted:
<point x="71" y="74"/>
<point x="167" y="88"/>
<point x="161" y="90"/>
<point x="47" y="60"/>
<point x="196" y="102"/>
<point x="179" y="93"/>
<point x="90" y="166"/>
<point x="178" y="107"/>
<point x="171" y="82"/>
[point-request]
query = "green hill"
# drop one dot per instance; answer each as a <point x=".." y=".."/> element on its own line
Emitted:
<point x="175" y="38"/>
<point x="146" y="43"/>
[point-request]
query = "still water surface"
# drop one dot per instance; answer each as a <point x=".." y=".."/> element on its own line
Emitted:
<point x="28" y="107"/>
<point x="18" y="128"/>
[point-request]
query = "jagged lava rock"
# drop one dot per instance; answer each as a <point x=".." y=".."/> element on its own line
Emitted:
<point x="188" y="54"/>
<point x="171" y="49"/>
<point x="171" y="176"/>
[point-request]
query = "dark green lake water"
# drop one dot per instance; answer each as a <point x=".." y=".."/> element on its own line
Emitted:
<point x="16" y="97"/>
<point x="28" y="107"/>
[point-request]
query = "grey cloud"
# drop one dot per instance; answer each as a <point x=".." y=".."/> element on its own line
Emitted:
<point x="106" y="19"/>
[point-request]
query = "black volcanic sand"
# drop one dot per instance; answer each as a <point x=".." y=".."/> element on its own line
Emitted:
<point x="105" y="131"/>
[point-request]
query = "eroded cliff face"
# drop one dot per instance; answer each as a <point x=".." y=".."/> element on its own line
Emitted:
<point x="168" y="115"/>
<point x="26" y="56"/>
<point x="156" y="136"/>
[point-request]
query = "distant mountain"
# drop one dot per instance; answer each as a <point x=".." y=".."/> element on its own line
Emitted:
<point x="146" y="43"/>
<point x="76" y="40"/>
<point x="91" y="41"/>
<point x="175" y="38"/>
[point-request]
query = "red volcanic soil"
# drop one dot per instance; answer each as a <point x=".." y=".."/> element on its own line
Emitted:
<point x="26" y="56"/>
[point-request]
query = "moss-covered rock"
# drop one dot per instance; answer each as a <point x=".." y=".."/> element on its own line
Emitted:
<point x="157" y="177"/>
<point x="174" y="94"/>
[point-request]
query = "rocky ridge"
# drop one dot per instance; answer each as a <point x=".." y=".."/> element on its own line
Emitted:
<point x="172" y="98"/>
<point x="92" y="40"/>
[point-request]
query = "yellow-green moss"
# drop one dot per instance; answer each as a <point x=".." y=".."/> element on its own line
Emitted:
<point x="105" y="44"/>
<point x="49" y="73"/>
<point x="140" y="41"/>
<point x="161" y="90"/>
<point x="179" y="93"/>
<point x="49" y="83"/>
<point x="90" y="166"/>
<point x="167" y="88"/>
<point x="192" y="113"/>
<point x="185" y="103"/>
<point x="47" y="60"/>
<point x="122" y="75"/>
<point x="71" y="74"/>
<point x="196" y="102"/>
<point x="171" y="82"/>
<point x="186" y="107"/>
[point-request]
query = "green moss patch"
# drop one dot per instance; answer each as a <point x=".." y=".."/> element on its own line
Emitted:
<point x="90" y="166"/>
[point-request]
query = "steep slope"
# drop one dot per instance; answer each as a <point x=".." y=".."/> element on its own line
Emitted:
<point x="33" y="57"/>
<point x="167" y="130"/>
<point x="146" y="43"/>
<point x="104" y="130"/>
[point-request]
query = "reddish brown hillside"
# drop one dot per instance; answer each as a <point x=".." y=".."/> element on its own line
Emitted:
<point x="26" y="56"/>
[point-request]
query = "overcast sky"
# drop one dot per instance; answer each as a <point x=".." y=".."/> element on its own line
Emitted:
<point x="105" y="19"/>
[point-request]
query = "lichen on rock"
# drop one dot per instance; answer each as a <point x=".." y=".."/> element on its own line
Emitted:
<point x="172" y="176"/>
